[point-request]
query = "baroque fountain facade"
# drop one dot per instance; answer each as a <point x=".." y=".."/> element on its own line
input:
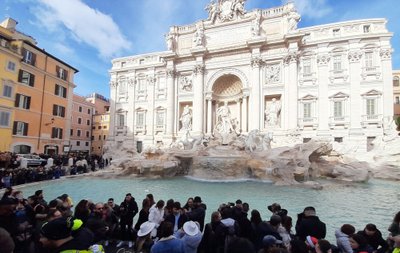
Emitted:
<point x="241" y="94"/>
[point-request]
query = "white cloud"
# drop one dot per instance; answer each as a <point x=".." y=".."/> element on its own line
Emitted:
<point x="63" y="49"/>
<point x="312" y="8"/>
<point x="85" y="24"/>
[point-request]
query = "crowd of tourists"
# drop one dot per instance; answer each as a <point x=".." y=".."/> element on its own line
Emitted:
<point x="15" y="170"/>
<point x="33" y="225"/>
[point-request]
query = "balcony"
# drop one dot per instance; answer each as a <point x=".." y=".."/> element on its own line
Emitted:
<point x="160" y="128"/>
<point x="373" y="71"/>
<point x="140" y="129"/>
<point x="339" y="121"/>
<point x="121" y="130"/>
<point x="308" y="122"/>
<point x="373" y="119"/>
<point x="306" y="78"/>
<point x="338" y="74"/>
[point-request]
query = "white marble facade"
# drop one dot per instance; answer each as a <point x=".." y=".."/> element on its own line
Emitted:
<point x="330" y="81"/>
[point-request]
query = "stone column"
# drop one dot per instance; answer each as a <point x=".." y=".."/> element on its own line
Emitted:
<point x="198" y="100"/>
<point x="323" y="99"/>
<point x="130" y="118"/>
<point x="209" y="113"/>
<point x="356" y="103"/>
<point x="238" y="114"/>
<point x="244" y="122"/>
<point x="255" y="94"/>
<point x="113" y="100"/>
<point x="290" y="104"/>
<point x="170" y="117"/>
<point x="387" y="92"/>
<point x="356" y="135"/>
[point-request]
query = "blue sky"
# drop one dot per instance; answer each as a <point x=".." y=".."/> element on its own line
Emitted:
<point x="88" y="34"/>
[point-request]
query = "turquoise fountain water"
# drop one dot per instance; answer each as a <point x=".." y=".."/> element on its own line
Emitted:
<point x="357" y="204"/>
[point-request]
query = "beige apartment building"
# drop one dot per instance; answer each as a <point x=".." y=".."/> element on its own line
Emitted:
<point x="101" y="122"/>
<point x="37" y="90"/>
<point x="81" y="125"/>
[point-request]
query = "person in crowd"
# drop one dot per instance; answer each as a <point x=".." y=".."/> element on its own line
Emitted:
<point x="268" y="243"/>
<point x="359" y="244"/>
<point x="53" y="214"/>
<point x="274" y="208"/>
<point x="309" y="224"/>
<point x="394" y="228"/>
<point x="128" y="209"/>
<point x="168" y="207"/>
<point x="240" y="245"/>
<point x="177" y="217"/>
<point x="111" y="221"/>
<point x="285" y="230"/>
<point x="396" y="243"/>
<point x="237" y="210"/>
<point x="342" y="238"/>
<point x="143" y="241"/>
<point x="246" y="229"/>
<point x="212" y="241"/>
<point x="56" y="235"/>
<point x="230" y="227"/>
<point x="189" y="205"/>
<point x="156" y="213"/>
<point x="97" y="224"/>
<point x="7" y="244"/>
<point x="198" y="212"/>
<point x="190" y="235"/>
<point x="7" y="180"/>
<point x="168" y="243"/>
<point x="323" y="246"/>
<point x="40" y="198"/>
<point x="143" y="214"/>
<point x="150" y="199"/>
<point x="374" y="238"/>
<point x="25" y="218"/>
<point x="82" y="210"/>
<point x="114" y="206"/>
<point x="297" y="246"/>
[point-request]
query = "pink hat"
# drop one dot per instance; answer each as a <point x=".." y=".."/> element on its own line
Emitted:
<point x="311" y="241"/>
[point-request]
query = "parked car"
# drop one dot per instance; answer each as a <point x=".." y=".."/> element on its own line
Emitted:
<point x="33" y="160"/>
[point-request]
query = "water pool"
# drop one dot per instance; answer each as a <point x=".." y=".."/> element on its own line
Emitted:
<point x="374" y="202"/>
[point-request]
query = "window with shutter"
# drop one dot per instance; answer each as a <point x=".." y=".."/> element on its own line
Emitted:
<point x="5" y="118"/>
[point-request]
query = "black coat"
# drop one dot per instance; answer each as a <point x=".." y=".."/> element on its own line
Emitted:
<point x="312" y="226"/>
<point x="127" y="211"/>
<point x="375" y="241"/>
<point x="198" y="214"/>
<point x="182" y="219"/>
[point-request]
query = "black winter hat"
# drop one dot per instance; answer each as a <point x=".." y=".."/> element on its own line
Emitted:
<point x="57" y="229"/>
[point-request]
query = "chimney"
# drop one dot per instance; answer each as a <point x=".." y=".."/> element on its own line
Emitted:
<point x="9" y="24"/>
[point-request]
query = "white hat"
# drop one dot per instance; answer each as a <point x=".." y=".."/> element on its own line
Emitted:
<point x="191" y="228"/>
<point x="146" y="228"/>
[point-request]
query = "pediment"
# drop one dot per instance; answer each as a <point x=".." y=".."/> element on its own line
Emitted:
<point x="309" y="97"/>
<point x="339" y="95"/>
<point x="372" y="93"/>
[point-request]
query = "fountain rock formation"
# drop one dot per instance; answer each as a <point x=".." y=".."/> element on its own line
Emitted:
<point x="251" y="157"/>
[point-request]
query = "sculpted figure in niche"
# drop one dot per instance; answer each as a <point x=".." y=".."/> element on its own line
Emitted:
<point x="198" y="36"/>
<point x="213" y="11"/>
<point x="224" y="124"/>
<point x="186" y="118"/>
<point x="272" y="113"/>
<point x="169" y="39"/>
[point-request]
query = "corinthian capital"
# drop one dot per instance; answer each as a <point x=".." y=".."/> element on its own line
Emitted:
<point x="354" y="56"/>
<point x="171" y="73"/>
<point x="113" y="84"/>
<point x="323" y="59"/>
<point x="199" y="69"/>
<point x="386" y="53"/>
<point x="256" y="62"/>
<point x="290" y="58"/>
